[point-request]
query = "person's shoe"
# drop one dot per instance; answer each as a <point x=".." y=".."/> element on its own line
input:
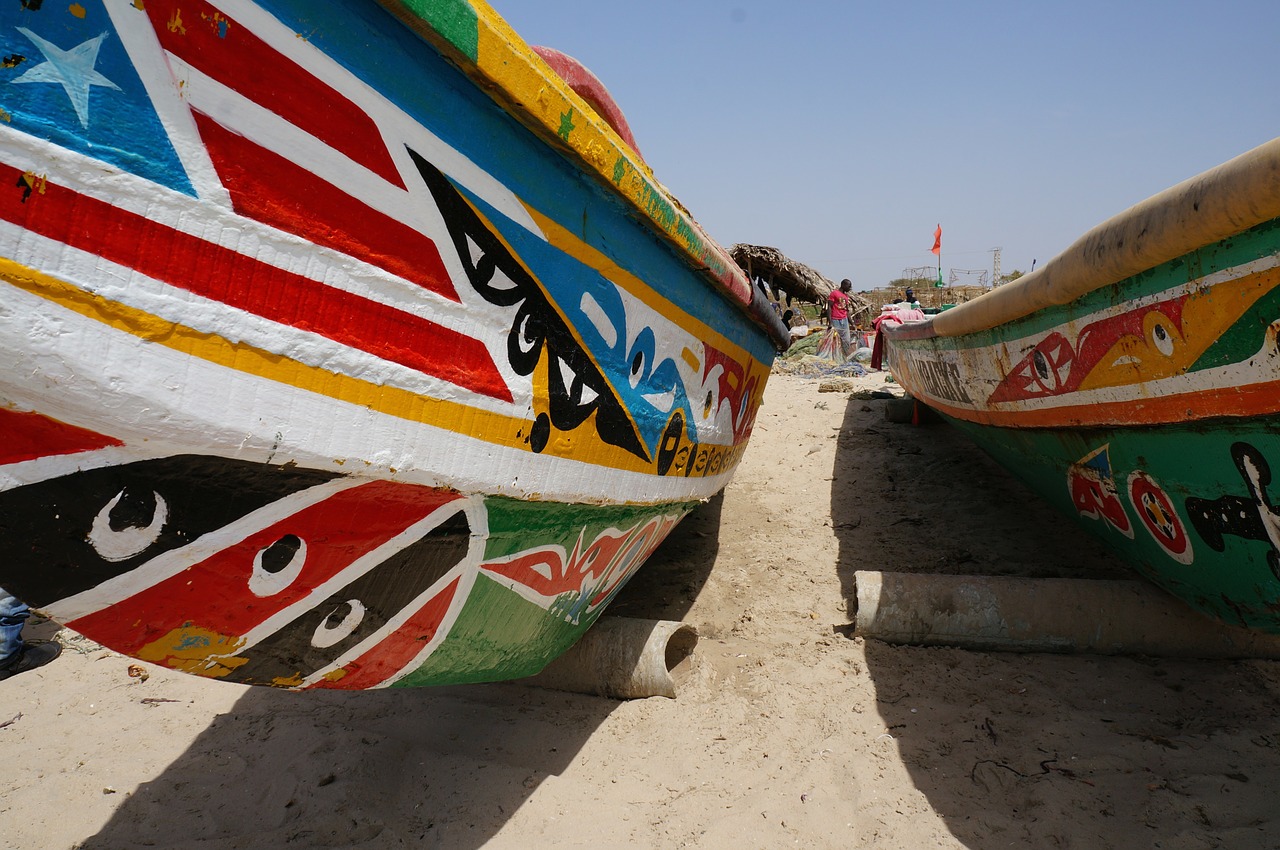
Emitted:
<point x="31" y="656"/>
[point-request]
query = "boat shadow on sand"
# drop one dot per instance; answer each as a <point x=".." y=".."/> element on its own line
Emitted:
<point x="446" y="767"/>
<point x="450" y="766"/>
<point x="1041" y="749"/>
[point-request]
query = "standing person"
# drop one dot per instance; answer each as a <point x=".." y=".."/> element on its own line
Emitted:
<point x="16" y="655"/>
<point x="838" y="315"/>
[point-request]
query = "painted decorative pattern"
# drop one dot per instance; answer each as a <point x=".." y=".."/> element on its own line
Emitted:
<point x="1149" y="410"/>
<point x="318" y="368"/>
<point x="298" y="578"/>
<point x="201" y="178"/>
<point x="1194" y="339"/>
<point x="1196" y="511"/>
<point x="488" y="49"/>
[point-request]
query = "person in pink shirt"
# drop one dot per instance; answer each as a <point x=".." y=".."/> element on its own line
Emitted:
<point x="838" y="302"/>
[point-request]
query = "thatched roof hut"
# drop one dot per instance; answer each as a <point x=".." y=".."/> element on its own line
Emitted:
<point x="783" y="277"/>
<point x="787" y="280"/>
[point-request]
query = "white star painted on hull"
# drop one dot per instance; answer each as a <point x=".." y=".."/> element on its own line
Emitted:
<point x="72" y="69"/>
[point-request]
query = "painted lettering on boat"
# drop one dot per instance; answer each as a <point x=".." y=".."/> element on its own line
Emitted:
<point x="678" y="456"/>
<point x="941" y="378"/>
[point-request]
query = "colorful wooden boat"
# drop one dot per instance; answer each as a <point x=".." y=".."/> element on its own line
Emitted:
<point x="343" y="344"/>
<point x="1134" y="382"/>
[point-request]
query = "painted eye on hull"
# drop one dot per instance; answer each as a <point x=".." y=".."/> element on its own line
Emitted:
<point x="643" y="350"/>
<point x="579" y="394"/>
<point x="116" y="536"/>
<point x="524" y="339"/>
<point x="488" y="277"/>
<point x="1045" y="370"/>
<point x="1162" y="339"/>
<point x="339" y="625"/>
<point x="276" y="566"/>
<point x="1045" y="377"/>
<point x="501" y="283"/>
<point x="1042" y="365"/>
<point x="524" y="343"/>
<point x="65" y="535"/>
<point x="318" y="629"/>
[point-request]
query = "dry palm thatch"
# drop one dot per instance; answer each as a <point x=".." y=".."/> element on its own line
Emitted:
<point x="787" y="280"/>
<point x="783" y="277"/>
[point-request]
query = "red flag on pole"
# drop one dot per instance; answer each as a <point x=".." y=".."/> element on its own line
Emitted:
<point x="937" y="241"/>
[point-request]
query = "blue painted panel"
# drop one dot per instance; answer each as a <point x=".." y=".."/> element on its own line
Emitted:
<point x="65" y="77"/>
<point x="625" y="356"/>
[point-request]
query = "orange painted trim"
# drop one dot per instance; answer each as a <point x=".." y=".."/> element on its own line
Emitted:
<point x="1249" y="401"/>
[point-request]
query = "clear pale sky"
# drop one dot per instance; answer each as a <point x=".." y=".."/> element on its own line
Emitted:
<point x="842" y="132"/>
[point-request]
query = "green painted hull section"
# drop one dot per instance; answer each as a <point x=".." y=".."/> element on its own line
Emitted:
<point x="1214" y="480"/>
<point x="516" y="525"/>
<point x="497" y="636"/>
<point x="455" y="21"/>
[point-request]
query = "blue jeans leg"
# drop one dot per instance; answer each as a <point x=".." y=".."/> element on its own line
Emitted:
<point x="13" y="616"/>
<point x="842" y="330"/>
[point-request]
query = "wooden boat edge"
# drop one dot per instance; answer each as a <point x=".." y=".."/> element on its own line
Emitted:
<point x="1235" y="196"/>
<point x="521" y="82"/>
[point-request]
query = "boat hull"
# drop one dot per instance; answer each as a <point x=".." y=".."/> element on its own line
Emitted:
<point x="324" y="362"/>
<point x="1147" y="408"/>
<point x="1203" y="530"/>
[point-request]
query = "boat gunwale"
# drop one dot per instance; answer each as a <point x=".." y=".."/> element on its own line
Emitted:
<point x="599" y="150"/>
<point x="1214" y="205"/>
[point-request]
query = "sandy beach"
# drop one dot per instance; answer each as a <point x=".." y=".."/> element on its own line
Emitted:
<point x="788" y="732"/>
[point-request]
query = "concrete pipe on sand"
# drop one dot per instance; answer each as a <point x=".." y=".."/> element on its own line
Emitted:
<point x="1045" y="615"/>
<point x="624" y="658"/>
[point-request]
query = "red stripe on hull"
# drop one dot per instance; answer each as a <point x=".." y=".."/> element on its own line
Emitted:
<point x="27" y="436"/>
<point x="225" y="50"/>
<point x="271" y="189"/>
<point x="214" y="272"/>
<point x="1242" y="402"/>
